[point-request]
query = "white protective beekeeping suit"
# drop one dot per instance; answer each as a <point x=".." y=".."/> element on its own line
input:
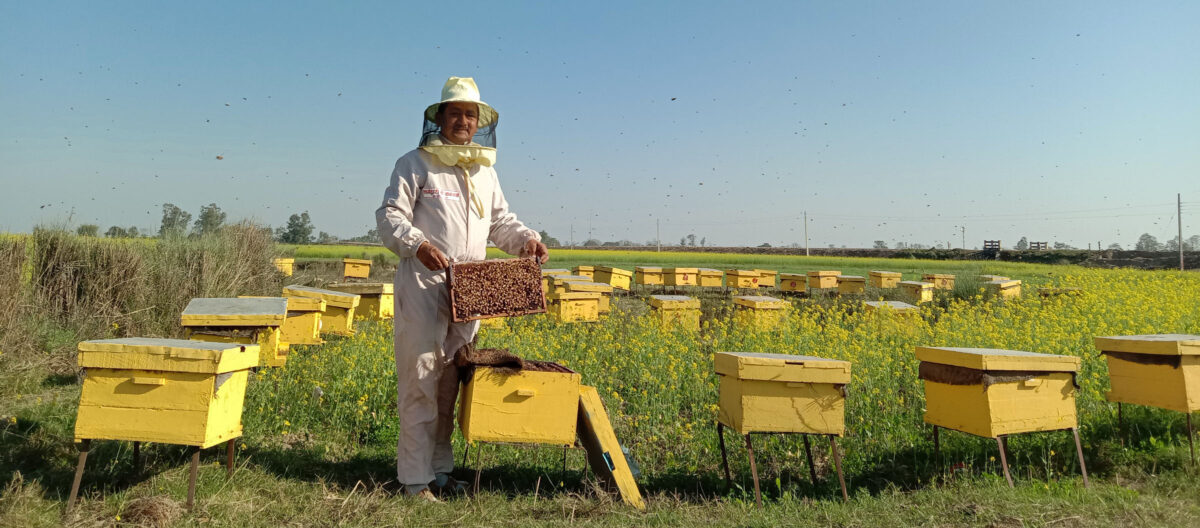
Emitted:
<point x="430" y="198"/>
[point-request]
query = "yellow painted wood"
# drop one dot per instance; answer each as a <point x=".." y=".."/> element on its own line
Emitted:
<point x="998" y="359"/>
<point x="648" y="275"/>
<point x="676" y="311"/>
<point x="791" y="282"/>
<point x="616" y="277"/>
<point x="303" y="323"/>
<point x="356" y="268"/>
<point x="1004" y="289"/>
<point x="709" y="278"/>
<point x="604" y="451"/>
<point x="761" y="302"/>
<point x="823" y="279"/>
<point x="376" y="299"/>
<point x="766" y="278"/>
<point x="172" y="355"/>
<point x="273" y="350"/>
<point x="524" y="407"/>
<point x="338" y="317"/>
<point x="1156" y="344"/>
<point x="1157" y="385"/>
<point x="674" y="302"/>
<point x="233" y="311"/>
<point x="285" y="266"/>
<point x="585" y="271"/>
<point x="899" y="307"/>
<point x="574" y="307"/>
<point x="759" y="311"/>
<point x="1045" y="403"/>
<point x="547" y="272"/>
<point x="735" y="278"/>
<point x="605" y="291"/>
<point x="884" y="279"/>
<point x="680" y="276"/>
<point x="851" y="284"/>
<point x="990" y="278"/>
<point x="558" y="283"/>
<point x="918" y="292"/>
<point x="940" y="281"/>
<point x="781" y="393"/>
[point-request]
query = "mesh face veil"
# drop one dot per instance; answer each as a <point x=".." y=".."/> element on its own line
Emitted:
<point x="485" y="136"/>
<point x="482" y="148"/>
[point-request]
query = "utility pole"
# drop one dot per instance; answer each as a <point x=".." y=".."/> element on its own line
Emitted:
<point x="964" y="236"/>
<point x="1179" y="216"/>
<point x="658" y="234"/>
<point x="572" y="236"/>
<point x="806" y="233"/>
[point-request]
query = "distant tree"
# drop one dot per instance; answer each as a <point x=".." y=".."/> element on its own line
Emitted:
<point x="610" y="243"/>
<point x="703" y="241"/>
<point x="209" y="221"/>
<point x="326" y="238"/>
<point x="89" y="230"/>
<point x="1023" y="243"/>
<point x="591" y="242"/>
<point x="1192" y="243"/>
<point x="764" y="244"/>
<point x="549" y="240"/>
<point x="133" y="232"/>
<point x="116" y="232"/>
<point x="691" y="240"/>
<point x="1063" y="245"/>
<point x="682" y="241"/>
<point x="299" y="230"/>
<point x="1147" y="242"/>
<point x="174" y="221"/>
<point x="372" y="236"/>
<point x="1114" y="246"/>
<point x="879" y="244"/>
<point x="1172" y="244"/>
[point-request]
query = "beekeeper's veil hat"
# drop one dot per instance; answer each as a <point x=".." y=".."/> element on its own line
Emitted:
<point x="482" y="149"/>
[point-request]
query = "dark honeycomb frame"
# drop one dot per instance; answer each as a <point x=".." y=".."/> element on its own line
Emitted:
<point x="495" y="288"/>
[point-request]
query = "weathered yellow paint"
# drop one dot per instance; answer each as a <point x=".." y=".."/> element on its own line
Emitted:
<point x="162" y="390"/>
<point x="818" y="280"/>
<point x="1004" y="289"/>
<point x="851" y="284"/>
<point x="285" y="266"/>
<point x="616" y="277"/>
<point x="523" y="407"/>
<point x="376" y="300"/>
<point x="303" y="323"/>
<point x="1165" y="386"/>
<point x="547" y="274"/>
<point x="709" y="278"/>
<point x="356" y="268"/>
<point x="916" y="291"/>
<point x="742" y="278"/>
<point x="899" y="307"/>
<point x="759" y="311"/>
<point x="940" y="281"/>
<point x="273" y="350"/>
<point x="240" y="320"/>
<point x="676" y="311"/>
<point x="766" y="278"/>
<point x="781" y="393"/>
<point x="574" y="307"/>
<point x="558" y="283"/>
<point x="585" y="271"/>
<point x="604" y="290"/>
<point x="648" y="275"/>
<point x="990" y="278"/>
<point x="680" y="276"/>
<point x="339" y="307"/>
<point x="884" y="279"/>
<point x="1044" y="403"/>
<point x="791" y="282"/>
<point x="604" y="451"/>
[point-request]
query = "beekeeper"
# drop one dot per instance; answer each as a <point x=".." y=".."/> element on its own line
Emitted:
<point x="443" y="205"/>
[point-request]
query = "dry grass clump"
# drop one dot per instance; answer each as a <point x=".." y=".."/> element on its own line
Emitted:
<point x="151" y="512"/>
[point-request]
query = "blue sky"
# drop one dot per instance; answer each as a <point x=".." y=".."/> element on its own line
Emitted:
<point x="1067" y="121"/>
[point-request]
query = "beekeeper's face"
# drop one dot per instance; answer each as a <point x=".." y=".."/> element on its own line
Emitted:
<point x="458" y="121"/>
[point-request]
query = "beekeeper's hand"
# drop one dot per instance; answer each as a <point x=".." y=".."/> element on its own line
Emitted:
<point x="533" y="248"/>
<point x="432" y="257"/>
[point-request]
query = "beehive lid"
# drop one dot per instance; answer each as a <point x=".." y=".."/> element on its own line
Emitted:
<point x="615" y="271"/>
<point x="1005" y="284"/>
<point x="917" y="284"/>
<point x="584" y="268"/>
<point x="793" y="276"/>
<point x="563" y="279"/>
<point x="363" y="288"/>
<point x="555" y="271"/>
<point x="224" y="311"/>
<point x="938" y="276"/>
<point x="877" y="273"/>
<point x="743" y="273"/>
<point x="1157" y="344"/>
<point x="680" y="302"/>
<point x="989" y="278"/>
<point x="648" y="269"/>
<point x="997" y="359"/>
<point x="285" y="260"/>
<point x="170" y="355"/>
<point x="333" y="298"/>
<point x="356" y="261"/>
<point x="708" y="271"/>
<point x="761" y="302"/>
<point x="766" y="272"/>
<point x="681" y="270"/>
<point x="574" y="296"/>
<point x="851" y="278"/>
<point x="825" y="273"/>
<point x="295" y="304"/>
<point x="781" y="367"/>
<point x="898" y="306"/>
<point x="603" y="449"/>
<point x="579" y="286"/>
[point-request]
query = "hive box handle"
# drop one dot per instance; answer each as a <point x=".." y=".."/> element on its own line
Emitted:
<point x="526" y="393"/>
<point x="148" y="380"/>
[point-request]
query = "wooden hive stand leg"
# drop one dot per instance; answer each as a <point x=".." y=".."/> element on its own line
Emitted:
<point x="937" y="442"/>
<point x="84" y="446"/>
<point x="137" y="458"/>
<point x="1121" y="423"/>
<point x="1191" y="442"/>
<point x="229" y="448"/>
<point x="812" y="468"/>
<point x="466" y="450"/>
<point x="192" y="473"/>
<point x="1079" y="452"/>
<point x="753" y="471"/>
<point x="478" y="468"/>
<point x="1004" y="460"/>
<point x="837" y="462"/>
<point x="724" y="454"/>
<point x="564" y="464"/>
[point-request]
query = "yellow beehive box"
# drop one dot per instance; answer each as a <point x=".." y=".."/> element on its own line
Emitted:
<point x="579" y="307"/>
<point x="884" y="279"/>
<point x="990" y="278"/>
<point x="356" y="268"/>
<point x="375" y="299"/>
<point x="526" y="407"/>
<point x="793" y="282"/>
<point x="782" y="393"/>
<point x="253" y="321"/>
<point x="989" y="392"/>
<point x="940" y="281"/>
<point x="303" y="323"/>
<point x="818" y="280"/>
<point x="339" y="307"/>
<point x="547" y="274"/>
<point x="616" y="277"/>
<point x="285" y="266"/>
<point x="759" y="311"/>
<point x="1157" y="370"/>
<point x="735" y="278"/>
<point x="586" y="271"/>
<point x="604" y="290"/>
<point x="558" y="283"/>
<point x="899" y="307"/>
<point x="676" y="311"/>
<point x="916" y="291"/>
<point x="766" y="278"/>
<point x="709" y="278"/>
<point x="1004" y="289"/>
<point x="172" y="391"/>
<point x="681" y="276"/>
<point x="851" y="284"/>
<point x="648" y="275"/>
